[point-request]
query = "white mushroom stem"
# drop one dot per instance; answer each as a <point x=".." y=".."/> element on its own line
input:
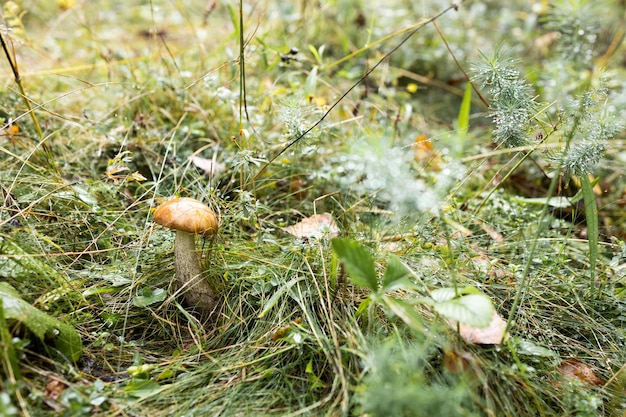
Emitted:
<point x="196" y="290"/>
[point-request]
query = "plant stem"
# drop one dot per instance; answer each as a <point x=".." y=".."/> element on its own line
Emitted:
<point x="197" y="292"/>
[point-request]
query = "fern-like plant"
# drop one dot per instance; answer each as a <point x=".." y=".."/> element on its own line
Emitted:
<point x="513" y="105"/>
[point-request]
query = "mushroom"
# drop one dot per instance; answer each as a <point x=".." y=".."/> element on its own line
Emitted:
<point x="189" y="217"/>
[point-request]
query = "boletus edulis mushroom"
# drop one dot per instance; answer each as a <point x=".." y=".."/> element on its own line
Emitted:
<point x="189" y="218"/>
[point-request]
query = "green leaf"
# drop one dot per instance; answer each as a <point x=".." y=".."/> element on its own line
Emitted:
<point x="357" y="261"/>
<point x="65" y="338"/>
<point x="317" y="53"/>
<point x="525" y="347"/>
<point x="395" y="275"/>
<point x="362" y="308"/>
<point x="141" y="371"/>
<point x="474" y="309"/>
<point x="311" y="82"/>
<point x="443" y="294"/>
<point x="405" y="311"/>
<point x="470" y="289"/>
<point x="148" y="297"/>
<point x="591" y="214"/>
<point x="139" y="388"/>
<point x="86" y="197"/>
<point x="10" y="362"/>
<point x="21" y="266"/>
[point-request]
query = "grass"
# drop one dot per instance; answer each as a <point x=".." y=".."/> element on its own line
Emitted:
<point x="126" y="93"/>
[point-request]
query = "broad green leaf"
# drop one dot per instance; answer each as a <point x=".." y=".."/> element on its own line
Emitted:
<point x="405" y="311"/>
<point x="65" y="338"/>
<point x="358" y="262"/>
<point x="395" y="275"/>
<point x="474" y="309"/>
<point x="443" y="294"/>
<point x="86" y="197"/>
<point x="148" y="297"/>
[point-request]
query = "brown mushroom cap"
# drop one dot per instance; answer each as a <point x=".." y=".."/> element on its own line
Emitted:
<point x="188" y="215"/>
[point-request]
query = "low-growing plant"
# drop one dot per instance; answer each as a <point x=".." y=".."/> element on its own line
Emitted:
<point x="464" y="305"/>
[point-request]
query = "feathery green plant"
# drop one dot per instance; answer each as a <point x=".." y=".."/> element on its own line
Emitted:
<point x="589" y="129"/>
<point x="578" y="25"/>
<point x="513" y="105"/>
<point x="399" y="381"/>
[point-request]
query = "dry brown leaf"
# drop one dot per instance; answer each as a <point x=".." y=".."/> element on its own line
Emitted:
<point x="53" y="391"/>
<point x="316" y="226"/>
<point x="457" y="361"/>
<point x="209" y="166"/>
<point x="297" y="186"/>
<point x="490" y="335"/>
<point x="578" y="371"/>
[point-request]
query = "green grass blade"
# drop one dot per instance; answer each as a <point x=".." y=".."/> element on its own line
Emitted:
<point x="591" y="214"/>
<point x="276" y="296"/>
<point x="464" y="112"/>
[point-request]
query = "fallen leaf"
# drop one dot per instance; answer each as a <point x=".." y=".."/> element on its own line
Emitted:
<point x="423" y="148"/>
<point x="316" y="226"/>
<point x="425" y="152"/>
<point x="54" y="388"/>
<point x="297" y="187"/>
<point x="578" y="371"/>
<point x="53" y="391"/>
<point x="457" y="362"/>
<point x="209" y="166"/>
<point x="490" y="335"/>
